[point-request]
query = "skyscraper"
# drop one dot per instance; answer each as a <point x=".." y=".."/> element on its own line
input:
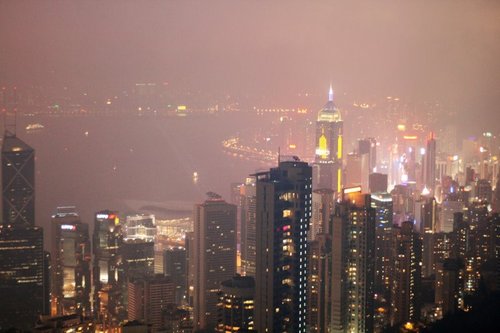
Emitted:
<point x="18" y="181"/>
<point x="284" y="209"/>
<point x="429" y="165"/>
<point x="23" y="263"/>
<point x="329" y="147"/>
<point x="248" y="217"/>
<point x="108" y="277"/>
<point x="406" y="281"/>
<point x="71" y="269"/>
<point x="214" y="256"/>
<point x="353" y="264"/>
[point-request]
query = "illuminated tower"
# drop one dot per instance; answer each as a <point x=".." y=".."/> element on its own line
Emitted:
<point x="329" y="147"/>
<point x="353" y="264"/>
<point x="18" y="181"/>
<point x="107" y="271"/>
<point x="71" y="269"/>
<point x="429" y="165"/>
<point x="284" y="208"/>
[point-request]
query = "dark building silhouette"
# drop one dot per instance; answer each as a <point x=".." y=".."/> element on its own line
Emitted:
<point x="377" y="182"/>
<point x="214" y="256"/>
<point x="236" y="305"/>
<point x="284" y="210"/>
<point x="18" y="181"/>
<point x="175" y="266"/>
<point x="23" y="273"/>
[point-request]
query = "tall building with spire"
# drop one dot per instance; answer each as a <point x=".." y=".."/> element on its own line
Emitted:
<point x="284" y="209"/>
<point x="329" y="147"/>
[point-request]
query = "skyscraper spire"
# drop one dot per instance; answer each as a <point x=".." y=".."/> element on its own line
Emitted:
<point x="330" y="94"/>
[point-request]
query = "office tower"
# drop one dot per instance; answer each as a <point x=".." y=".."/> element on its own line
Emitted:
<point x="323" y="201"/>
<point x="148" y="298"/>
<point x="407" y="275"/>
<point x="353" y="263"/>
<point x="382" y="203"/>
<point x="175" y="266"/>
<point x="140" y="226"/>
<point x="108" y="277"/>
<point x="449" y="286"/>
<point x="429" y="164"/>
<point x="71" y="253"/>
<point x="248" y="200"/>
<point x="18" y="182"/>
<point x="23" y="295"/>
<point x="377" y="182"/>
<point x="236" y="305"/>
<point x="138" y="258"/>
<point x="284" y="209"/>
<point x="427" y="229"/>
<point x="214" y="256"/>
<point x="329" y="147"/>
<point x="24" y="266"/>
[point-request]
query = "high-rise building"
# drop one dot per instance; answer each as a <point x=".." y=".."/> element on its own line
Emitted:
<point x="236" y="305"/>
<point x="108" y="277"/>
<point x="406" y="281"/>
<point x="427" y="230"/>
<point x="368" y="147"/>
<point x="71" y="253"/>
<point x="18" y="182"/>
<point x="284" y="210"/>
<point x="148" y="298"/>
<point x="329" y="147"/>
<point x="214" y="256"/>
<point x="248" y="216"/>
<point x="449" y="286"/>
<point x="140" y="226"/>
<point x="353" y="263"/>
<point x="175" y="266"/>
<point x="382" y="203"/>
<point x="138" y="258"/>
<point x="24" y="266"/>
<point x="23" y="277"/>
<point x="429" y="165"/>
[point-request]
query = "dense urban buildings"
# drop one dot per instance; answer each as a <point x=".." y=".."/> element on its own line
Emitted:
<point x="236" y="305"/>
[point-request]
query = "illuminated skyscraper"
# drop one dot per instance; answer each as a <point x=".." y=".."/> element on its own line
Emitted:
<point x="18" y="181"/>
<point x="141" y="227"/>
<point x="248" y="216"/>
<point x="71" y="269"/>
<point x="214" y="256"/>
<point x="406" y="281"/>
<point x="353" y="264"/>
<point x="108" y="277"/>
<point x="329" y="147"/>
<point x="284" y="209"/>
<point x="382" y="203"/>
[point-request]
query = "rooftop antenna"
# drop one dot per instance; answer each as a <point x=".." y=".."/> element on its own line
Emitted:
<point x="330" y="94"/>
<point x="10" y="123"/>
<point x="279" y="155"/>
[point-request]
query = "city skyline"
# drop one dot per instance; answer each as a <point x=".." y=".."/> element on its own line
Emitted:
<point x="282" y="167"/>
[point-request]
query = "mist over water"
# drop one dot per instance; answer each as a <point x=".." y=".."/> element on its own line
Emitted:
<point x="127" y="159"/>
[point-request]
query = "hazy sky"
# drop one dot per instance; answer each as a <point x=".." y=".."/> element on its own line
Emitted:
<point x="447" y="50"/>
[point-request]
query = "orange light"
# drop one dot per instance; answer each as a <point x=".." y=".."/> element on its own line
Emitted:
<point x="410" y="137"/>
